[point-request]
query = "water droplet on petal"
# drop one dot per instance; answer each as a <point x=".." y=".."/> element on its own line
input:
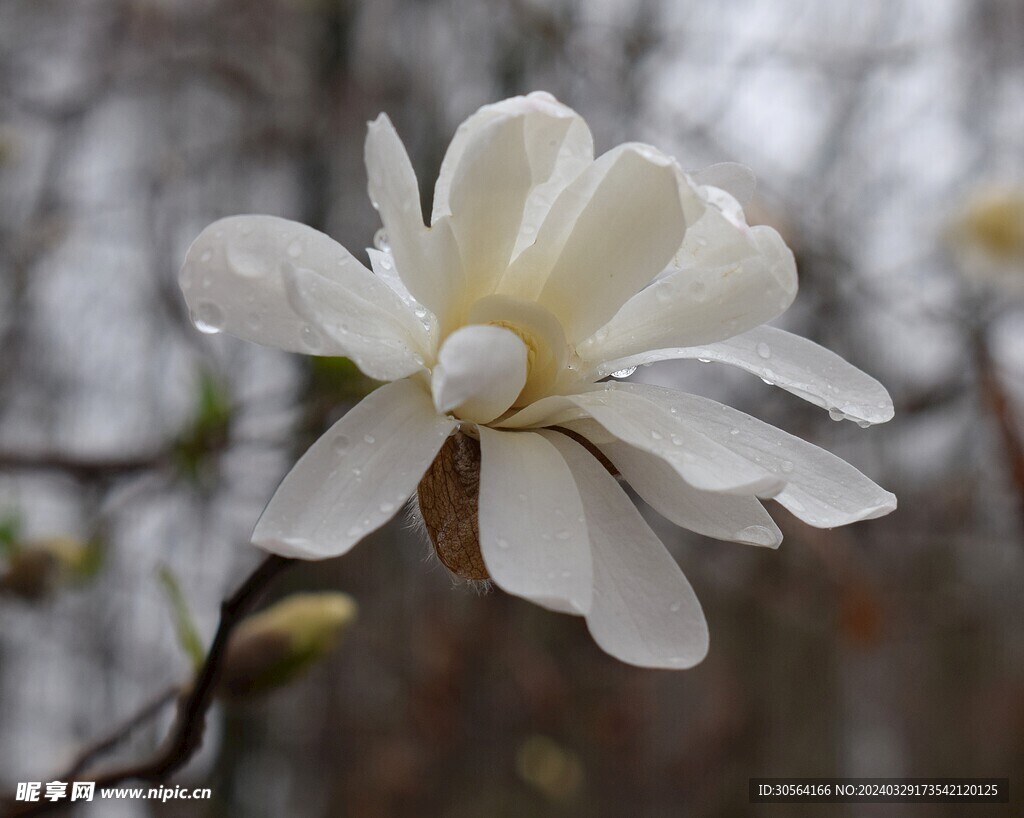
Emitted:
<point x="311" y="339"/>
<point x="704" y="360"/>
<point x="380" y="241"/>
<point x="208" y="318"/>
<point x="734" y="431"/>
<point x="502" y="542"/>
<point x="764" y="350"/>
<point x="787" y="466"/>
<point x="340" y="444"/>
<point x="294" y="248"/>
<point x="836" y="414"/>
<point x="206" y="256"/>
<point x="624" y="373"/>
<point x="370" y="439"/>
<point x="675" y="606"/>
<point x="655" y="435"/>
<point x="387" y="508"/>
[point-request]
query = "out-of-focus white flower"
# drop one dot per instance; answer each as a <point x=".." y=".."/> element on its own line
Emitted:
<point x="543" y="271"/>
<point x="988" y="237"/>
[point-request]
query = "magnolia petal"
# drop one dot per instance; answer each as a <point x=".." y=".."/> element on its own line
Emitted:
<point x="367" y="321"/>
<point x="356" y="476"/>
<point x="736" y="179"/>
<point x="793" y="363"/>
<point x="558" y="144"/>
<point x="234" y="281"/>
<point x="701" y="461"/>
<point x="488" y="193"/>
<point x="644" y="611"/>
<point x="480" y="372"/>
<point x="821" y="489"/>
<point x="533" y="536"/>
<point x="609" y="234"/>
<point x="722" y="516"/>
<point x="383" y="266"/>
<point x="427" y="259"/>
<point x="700" y="305"/>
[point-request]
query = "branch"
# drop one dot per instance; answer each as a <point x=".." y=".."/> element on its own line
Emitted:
<point x="1000" y="405"/>
<point x="186" y="735"/>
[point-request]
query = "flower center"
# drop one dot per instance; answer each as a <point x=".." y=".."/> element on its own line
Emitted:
<point x="524" y="336"/>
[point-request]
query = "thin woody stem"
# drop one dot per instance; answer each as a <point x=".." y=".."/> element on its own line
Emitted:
<point x="186" y="734"/>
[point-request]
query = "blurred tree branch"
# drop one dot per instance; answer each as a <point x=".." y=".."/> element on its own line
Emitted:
<point x="186" y="736"/>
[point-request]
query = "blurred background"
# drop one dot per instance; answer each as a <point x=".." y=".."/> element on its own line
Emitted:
<point x="136" y="453"/>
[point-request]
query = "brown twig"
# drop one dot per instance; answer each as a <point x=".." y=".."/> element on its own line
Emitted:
<point x="186" y="735"/>
<point x="88" y="756"/>
<point x="1001" y="408"/>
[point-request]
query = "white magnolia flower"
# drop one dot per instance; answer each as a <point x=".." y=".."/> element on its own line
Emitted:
<point x="495" y="326"/>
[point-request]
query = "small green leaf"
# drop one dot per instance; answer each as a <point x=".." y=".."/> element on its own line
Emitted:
<point x="10" y="533"/>
<point x="184" y="625"/>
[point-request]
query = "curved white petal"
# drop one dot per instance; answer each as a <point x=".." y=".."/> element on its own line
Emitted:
<point x="821" y="489"/>
<point x="701" y="461"/>
<point x="365" y="319"/>
<point x="643" y="612"/>
<point x="627" y="222"/>
<point x="480" y="372"/>
<point x="533" y="536"/>
<point x="488" y="193"/>
<point x="356" y="476"/>
<point x="427" y="259"/>
<point x="606" y="235"/>
<point x="699" y="305"/>
<point x="736" y="179"/>
<point x="793" y="363"/>
<point x="722" y="516"/>
<point x="558" y="145"/>
<point x="234" y="280"/>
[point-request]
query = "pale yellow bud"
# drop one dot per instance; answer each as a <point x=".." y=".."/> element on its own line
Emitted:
<point x="988" y="238"/>
<point x="272" y="647"/>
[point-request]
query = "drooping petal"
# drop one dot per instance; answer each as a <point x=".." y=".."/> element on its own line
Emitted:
<point x="644" y="611"/>
<point x="700" y="305"/>
<point x="234" y="280"/>
<point x="366" y="319"/>
<point x="607" y="235"/>
<point x="480" y="371"/>
<point x="821" y="489"/>
<point x="533" y="535"/>
<point x="723" y="516"/>
<point x="558" y="145"/>
<point x="701" y="461"/>
<point x="792" y="363"/>
<point x="427" y="259"/>
<point x="356" y="476"/>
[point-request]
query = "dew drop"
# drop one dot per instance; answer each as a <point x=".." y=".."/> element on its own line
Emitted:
<point x="764" y="350"/>
<point x="355" y="530"/>
<point x="502" y="542"/>
<point x="208" y="318"/>
<point x="340" y="444"/>
<point x="369" y="439"/>
<point x="787" y="466"/>
<point x="704" y="360"/>
<point x="863" y="423"/>
<point x="655" y="435"/>
<point x="380" y="241"/>
<point x="294" y="248"/>
<point x="624" y="373"/>
<point x="387" y="508"/>
<point x="675" y="606"/>
<point x="836" y="414"/>
<point x="734" y="431"/>
<point x="206" y="256"/>
<point x="311" y="339"/>
<point x="385" y="262"/>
